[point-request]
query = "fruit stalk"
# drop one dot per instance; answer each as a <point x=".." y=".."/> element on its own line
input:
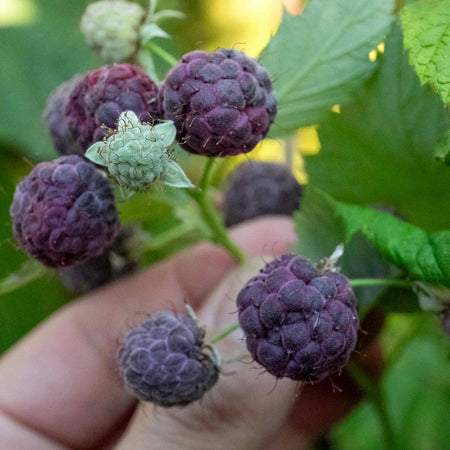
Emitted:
<point x="30" y="271"/>
<point x="211" y="217"/>
<point x="224" y="334"/>
<point x="356" y="282"/>
<point x="157" y="50"/>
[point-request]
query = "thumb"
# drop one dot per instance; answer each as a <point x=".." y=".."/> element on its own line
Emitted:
<point x="244" y="410"/>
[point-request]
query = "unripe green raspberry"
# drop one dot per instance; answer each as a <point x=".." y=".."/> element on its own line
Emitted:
<point x="112" y="28"/>
<point x="138" y="154"/>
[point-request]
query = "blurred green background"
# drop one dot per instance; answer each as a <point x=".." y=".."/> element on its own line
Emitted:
<point x="40" y="47"/>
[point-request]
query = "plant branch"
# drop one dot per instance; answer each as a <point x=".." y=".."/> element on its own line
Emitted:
<point x="31" y="270"/>
<point x="355" y="282"/>
<point x="215" y="224"/>
<point x="224" y="334"/>
<point x="210" y="214"/>
<point x="208" y="175"/>
<point x="163" y="54"/>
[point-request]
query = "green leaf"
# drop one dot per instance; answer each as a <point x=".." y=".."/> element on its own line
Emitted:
<point x="94" y="154"/>
<point x="146" y="60"/>
<point x="416" y="390"/>
<point x="442" y="152"/>
<point x="166" y="131"/>
<point x="127" y="119"/>
<point x="379" y="150"/>
<point x="426" y="27"/>
<point x="168" y="14"/>
<point x="151" y="31"/>
<point x="39" y="57"/>
<point x="176" y="177"/>
<point x="423" y="256"/>
<point x="317" y="59"/>
<point x="319" y="230"/>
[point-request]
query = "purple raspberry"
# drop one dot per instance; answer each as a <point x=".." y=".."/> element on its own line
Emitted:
<point x="54" y="116"/>
<point x="221" y="103"/>
<point x="298" y="323"/>
<point x="98" y="99"/>
<point x="63" y="212"/>
<point x="113" y="263"/>
<point x="163" y="361"/>
<point x="258" y="188"/>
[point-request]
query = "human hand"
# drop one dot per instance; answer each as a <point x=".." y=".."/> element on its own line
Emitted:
<point x="60" y="384"/>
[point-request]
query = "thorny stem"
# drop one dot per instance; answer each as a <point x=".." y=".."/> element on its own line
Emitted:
<point x="166" y="56"/>
<point x="374" y="392"/>
<point x="211" y="216"/>
<point x="30" y="271"/>
<point x="379" y="282"/>
<point x="224" y="334"/>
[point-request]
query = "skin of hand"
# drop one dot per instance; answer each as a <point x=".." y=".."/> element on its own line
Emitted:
<point x="60" y="387"/>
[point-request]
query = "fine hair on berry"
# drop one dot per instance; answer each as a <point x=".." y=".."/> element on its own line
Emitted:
<point x="164" y="361"/>
<point x="64" y="213"/>
<point x="222" y="102"/>
<point x="298" y="323"/>
<point x="97" y="101"/>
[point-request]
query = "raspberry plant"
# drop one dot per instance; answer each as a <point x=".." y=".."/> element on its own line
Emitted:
<point x="300" y="315"/>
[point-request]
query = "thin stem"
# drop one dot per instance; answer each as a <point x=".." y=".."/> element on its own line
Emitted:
<point x="210" y="214"/>
<point x="289" y="152"/>
<point x="31" y="270"/>
<point x="380" y="282"/>
<point x="214" y="221"/>
<point x="166" y="56"/>
<point x="173" y="234"/>
<point x="374" y="392"/>
<point x="208" y="175"/>
<point x="145" y="59"/>
<point x="224" y="334"/>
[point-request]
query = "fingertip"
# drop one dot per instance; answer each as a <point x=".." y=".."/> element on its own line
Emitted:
<point x="271" y="235"/>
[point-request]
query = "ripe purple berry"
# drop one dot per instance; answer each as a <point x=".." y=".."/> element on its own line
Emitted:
<point x="98" y="99"/>
<point x="63" y="212"/>
<point x="54" y="116"/>
<point x="115" y="262"/>
<point x="298" y="323"/>
<point x="221" y="103"/>
<point x="259" y="188"/>
<point x="163" y="361"/>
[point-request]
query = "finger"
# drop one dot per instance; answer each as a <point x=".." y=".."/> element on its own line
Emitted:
<point x="62" y="379"/>
<point x="16" y="436"/>
<point x="244" y="410"/>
